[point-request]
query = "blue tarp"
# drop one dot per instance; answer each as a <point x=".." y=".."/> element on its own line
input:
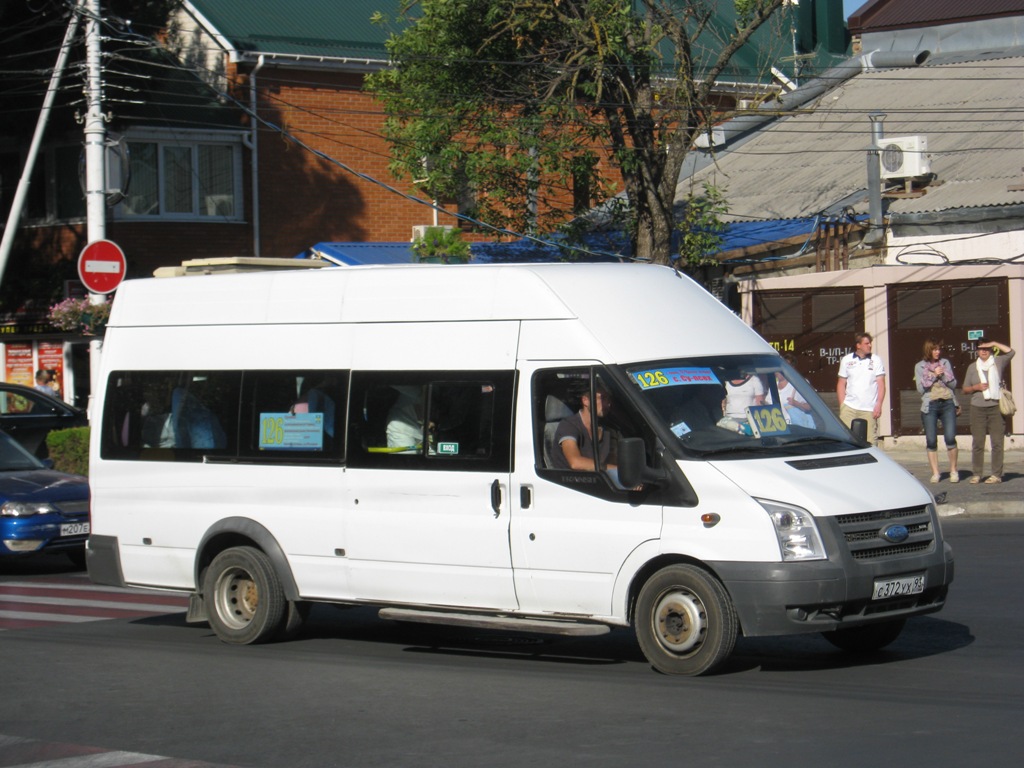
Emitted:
<point x="364" y="253"/>
<point x="596" y="246"/>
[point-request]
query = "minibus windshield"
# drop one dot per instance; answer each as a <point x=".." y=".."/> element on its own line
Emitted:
<point x="739" y="404"/>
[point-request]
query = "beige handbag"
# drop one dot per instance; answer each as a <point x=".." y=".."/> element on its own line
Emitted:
<point x="1006" y="404"/>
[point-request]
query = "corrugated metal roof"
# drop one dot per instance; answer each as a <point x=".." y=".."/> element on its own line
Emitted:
<point x="970" y="112"/>
<point x="899" y="14"/>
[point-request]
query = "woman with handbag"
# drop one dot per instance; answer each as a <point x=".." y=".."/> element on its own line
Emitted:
<point x="983" y="383"/>
<point x="935" y="383"/>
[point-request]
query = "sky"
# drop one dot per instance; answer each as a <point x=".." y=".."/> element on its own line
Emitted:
<point x="849" y="6"/>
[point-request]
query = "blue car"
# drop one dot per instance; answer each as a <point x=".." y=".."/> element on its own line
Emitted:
<point x="41" y="510"/>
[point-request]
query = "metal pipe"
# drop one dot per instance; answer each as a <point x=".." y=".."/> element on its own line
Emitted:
<point x="254" y="158"/>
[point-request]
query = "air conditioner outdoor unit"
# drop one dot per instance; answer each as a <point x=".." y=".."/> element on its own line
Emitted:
<point x="904" y="157"/>
<point x="419" y="230"/>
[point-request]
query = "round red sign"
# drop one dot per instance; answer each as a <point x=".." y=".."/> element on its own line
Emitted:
<point x="101" y="266"/>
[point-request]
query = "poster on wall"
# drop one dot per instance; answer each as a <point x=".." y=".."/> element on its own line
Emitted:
<point x="18" y="370"/>
<point x="51" y="358"/>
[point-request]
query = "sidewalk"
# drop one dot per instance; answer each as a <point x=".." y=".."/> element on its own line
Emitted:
<point x="1005" y="499"/>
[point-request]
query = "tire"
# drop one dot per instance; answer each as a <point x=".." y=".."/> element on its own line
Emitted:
<point x="245" y="603"/>
<point x="866" y="638"/>
<point x="685" y="622"/>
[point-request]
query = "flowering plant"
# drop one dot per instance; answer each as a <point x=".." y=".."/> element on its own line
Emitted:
<point x="80" y="316"/>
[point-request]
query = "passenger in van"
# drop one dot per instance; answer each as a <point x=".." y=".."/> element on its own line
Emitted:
<point x="194" y="424"/>
<point x="741" y="392"/>
<point x="796" y="410"/>
<point x="575" y="440"/>
<point x="405" y="421"/>
<point x="157" y="430"/>
<point x="320" y="402"/>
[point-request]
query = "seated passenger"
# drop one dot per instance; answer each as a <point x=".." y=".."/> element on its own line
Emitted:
<point x="405" y="421"/>
<point x="741" y="393"/>
<point x="794" y="407"/>
<point x="575" y="441"/>
<point x="193" y="423"/>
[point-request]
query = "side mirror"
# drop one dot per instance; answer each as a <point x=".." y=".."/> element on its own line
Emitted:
<point x="859" y="428"/>
<point x="632" y="462"/>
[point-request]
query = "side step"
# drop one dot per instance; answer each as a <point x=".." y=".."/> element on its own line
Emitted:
<point x="483" y="621"/>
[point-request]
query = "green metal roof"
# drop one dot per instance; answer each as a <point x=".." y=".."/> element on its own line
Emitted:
<point x="341" y="29"/>
<point x="329" y="28"/>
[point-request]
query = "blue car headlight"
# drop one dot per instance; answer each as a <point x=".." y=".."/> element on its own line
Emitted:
<point x="25" y="509"/>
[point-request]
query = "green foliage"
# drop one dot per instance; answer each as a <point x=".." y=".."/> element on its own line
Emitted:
<point x="69" y="449"/>
<point x="441" y="245"/>
<point x="701" y="226"/>
<point x="516" y="101"/>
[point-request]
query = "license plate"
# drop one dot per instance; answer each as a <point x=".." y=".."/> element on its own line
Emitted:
<point x="74" y="529"/>
<point x="899" y="586"/>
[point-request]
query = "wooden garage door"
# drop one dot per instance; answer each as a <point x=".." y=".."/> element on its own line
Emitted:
<point x="949" y="312"/>
<point x="817" y="327"/>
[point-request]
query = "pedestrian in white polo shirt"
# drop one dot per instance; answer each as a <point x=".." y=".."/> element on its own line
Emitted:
<point x="861" y="385"/>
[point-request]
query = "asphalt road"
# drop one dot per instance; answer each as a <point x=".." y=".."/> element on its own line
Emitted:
<point x="356" y="691"/>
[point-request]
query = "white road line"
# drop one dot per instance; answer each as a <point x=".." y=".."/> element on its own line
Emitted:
<point x="100" y="760"/>
<point x="48" y="617"/>
<point x="89" y="587"/>
<point x="71" y="602"/>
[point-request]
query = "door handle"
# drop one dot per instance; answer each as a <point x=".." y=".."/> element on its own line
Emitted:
<point x="525" y="496"/>
<point x="496" y="497"/>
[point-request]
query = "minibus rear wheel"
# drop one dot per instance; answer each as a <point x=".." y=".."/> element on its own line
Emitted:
<point x="685" y="622"/>
<point x="244" y="598"/>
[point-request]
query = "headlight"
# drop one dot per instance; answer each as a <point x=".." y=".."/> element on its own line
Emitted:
<point x="24" y="509"/>
<point x="798" y="533"/>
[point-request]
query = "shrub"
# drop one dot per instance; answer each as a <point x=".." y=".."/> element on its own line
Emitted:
<point x="69" y="449"/>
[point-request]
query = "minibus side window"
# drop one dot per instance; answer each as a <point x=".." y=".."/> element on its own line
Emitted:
<point x="293" y="416"/>
<point x="170" y="415"/>
<point x="458" y="420"/>
<point x="569" y="404"/>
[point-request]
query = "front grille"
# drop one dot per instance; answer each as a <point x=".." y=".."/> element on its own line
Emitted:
<point x="862" y="532"/>
<point x="71" y="508"/>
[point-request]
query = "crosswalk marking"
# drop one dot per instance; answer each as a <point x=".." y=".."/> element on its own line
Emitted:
<point x="16" y="752"/>
<point x="32" y="603"/>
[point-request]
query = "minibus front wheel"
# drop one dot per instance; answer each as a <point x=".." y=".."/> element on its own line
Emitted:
<point x="245" y="601"/>
<point x="685" y="622"/>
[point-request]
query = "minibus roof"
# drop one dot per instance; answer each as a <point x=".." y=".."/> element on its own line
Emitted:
<point x="635" y="310"/>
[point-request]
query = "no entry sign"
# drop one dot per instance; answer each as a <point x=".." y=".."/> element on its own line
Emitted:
<point x="101" y="266"/>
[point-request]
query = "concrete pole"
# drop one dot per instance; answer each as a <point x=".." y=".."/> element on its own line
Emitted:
<point x="95" y="167"/>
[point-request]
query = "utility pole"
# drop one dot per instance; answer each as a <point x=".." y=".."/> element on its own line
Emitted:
<point x="95" y="166"/>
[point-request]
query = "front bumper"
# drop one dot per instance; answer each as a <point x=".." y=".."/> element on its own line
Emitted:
<point x="818" y="596"/>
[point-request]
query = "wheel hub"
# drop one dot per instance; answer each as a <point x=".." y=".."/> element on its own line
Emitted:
<point x="681" y="621"/>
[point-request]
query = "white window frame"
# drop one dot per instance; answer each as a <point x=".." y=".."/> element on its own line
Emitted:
<point x="192" y="140"/>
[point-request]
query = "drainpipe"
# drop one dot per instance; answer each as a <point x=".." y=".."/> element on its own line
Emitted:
<point x="876" y="232"/>
<point x="253" y="145"/>
<point x="722" y="134"/>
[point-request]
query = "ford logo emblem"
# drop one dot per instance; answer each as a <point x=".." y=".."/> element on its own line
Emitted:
<point x="896" y="534"/>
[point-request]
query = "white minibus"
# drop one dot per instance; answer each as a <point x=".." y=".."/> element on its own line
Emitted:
<point x="558" y="448"/>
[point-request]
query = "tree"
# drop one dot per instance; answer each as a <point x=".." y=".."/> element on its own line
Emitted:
<point x="520" y="100"/>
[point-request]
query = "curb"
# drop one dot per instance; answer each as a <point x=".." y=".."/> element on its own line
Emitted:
<point x="976" y="510"/>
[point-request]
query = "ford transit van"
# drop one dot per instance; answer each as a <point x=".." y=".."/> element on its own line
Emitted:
<point x="555" y="448"/>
